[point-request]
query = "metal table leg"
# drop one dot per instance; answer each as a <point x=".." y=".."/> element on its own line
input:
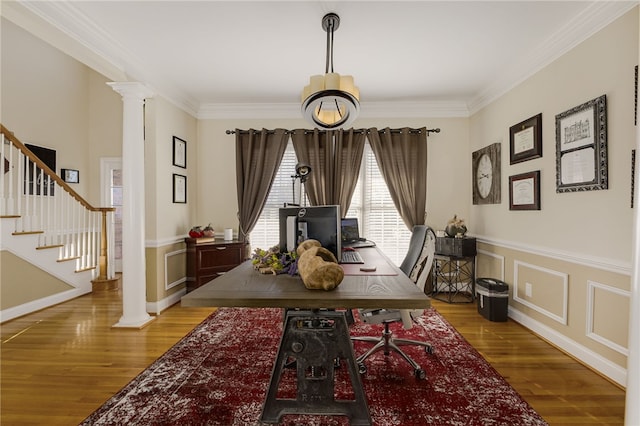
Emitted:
<point x="315" y="340"/>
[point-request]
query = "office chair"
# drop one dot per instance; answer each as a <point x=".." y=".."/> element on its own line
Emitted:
<point x="417" y="266"/>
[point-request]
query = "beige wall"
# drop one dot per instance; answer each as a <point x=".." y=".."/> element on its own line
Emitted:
<point x="28" y="283"/>
<point x="574" y="254"/>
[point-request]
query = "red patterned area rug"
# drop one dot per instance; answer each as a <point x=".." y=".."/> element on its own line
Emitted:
<point x="219" y="373"/>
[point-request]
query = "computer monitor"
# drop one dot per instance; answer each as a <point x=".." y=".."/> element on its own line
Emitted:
<point x="320" y="223"/>
<point x="350" y="229"/>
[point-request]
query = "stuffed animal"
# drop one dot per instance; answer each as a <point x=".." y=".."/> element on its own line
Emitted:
<point x="318" y="267"/>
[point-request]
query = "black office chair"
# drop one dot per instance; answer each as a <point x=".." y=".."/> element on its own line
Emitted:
<point x="417" y="266"/>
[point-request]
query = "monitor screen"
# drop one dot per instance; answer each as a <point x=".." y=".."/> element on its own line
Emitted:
<point x="320" y="223"/>
<point x="350" y="231"/>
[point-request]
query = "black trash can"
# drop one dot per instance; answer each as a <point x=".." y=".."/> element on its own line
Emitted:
<point x="493" y="298"/>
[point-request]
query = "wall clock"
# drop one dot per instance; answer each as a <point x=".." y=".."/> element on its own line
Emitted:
<point x="486" y="175"/>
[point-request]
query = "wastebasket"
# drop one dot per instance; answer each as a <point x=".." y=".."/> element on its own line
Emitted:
<point x="493" y="298"/>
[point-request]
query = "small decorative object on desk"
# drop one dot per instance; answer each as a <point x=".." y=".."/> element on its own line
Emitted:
<point x="208" y="231"/>
<point x="456" y="227"/>
<point x="318" y="267"/>
<point x="274" y="262"/>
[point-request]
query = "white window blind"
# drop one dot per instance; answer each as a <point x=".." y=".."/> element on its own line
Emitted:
<point x="374" y="208"/>
<point x="371" y="204"/>
<point x="266" y="233"/>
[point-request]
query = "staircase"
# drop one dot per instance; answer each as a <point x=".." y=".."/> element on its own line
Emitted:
<point x="46" y="223"/>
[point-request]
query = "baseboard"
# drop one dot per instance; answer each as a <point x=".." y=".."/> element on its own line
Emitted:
<point x="583" y="354"/>
<point x="46" y="302"/>
<point x="161" y="305"/>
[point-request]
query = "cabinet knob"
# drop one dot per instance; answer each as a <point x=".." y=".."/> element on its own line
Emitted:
<point x="221" y="248"/>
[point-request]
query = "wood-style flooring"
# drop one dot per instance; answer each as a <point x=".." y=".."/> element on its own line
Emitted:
<point x="60" y="364"/>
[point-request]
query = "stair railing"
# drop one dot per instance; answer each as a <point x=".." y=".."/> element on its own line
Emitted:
<point x="42" y="203"/>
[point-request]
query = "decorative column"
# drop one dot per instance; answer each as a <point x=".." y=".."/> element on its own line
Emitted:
<point x="133" y="198"/>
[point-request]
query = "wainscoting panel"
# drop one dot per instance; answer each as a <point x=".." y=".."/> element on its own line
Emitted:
<point x="541" y="289"/>
<point x="489" y="265"/>
<point x="608" y="315"/>
<point x="175" y="268"/>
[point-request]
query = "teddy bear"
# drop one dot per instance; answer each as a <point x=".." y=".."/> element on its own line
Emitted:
<point x="318" y="267"/>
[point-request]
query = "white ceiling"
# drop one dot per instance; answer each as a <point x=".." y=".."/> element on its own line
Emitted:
<point x="451" y="57"/>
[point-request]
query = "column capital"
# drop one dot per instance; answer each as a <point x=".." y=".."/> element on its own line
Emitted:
<point x="132" y="89"/>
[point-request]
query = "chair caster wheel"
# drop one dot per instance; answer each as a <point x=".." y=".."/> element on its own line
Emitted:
<point x="420" y="374"/>
<point x="362" y="369"/>
<point x="429" y="350"/>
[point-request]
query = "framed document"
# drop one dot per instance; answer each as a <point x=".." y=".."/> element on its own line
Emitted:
<point x="179" y="152"/>
<point x="179" y="189"/>
<point x="524" y="191"/>
<point x="581" y="147"/>
<point x="525" y="140"/>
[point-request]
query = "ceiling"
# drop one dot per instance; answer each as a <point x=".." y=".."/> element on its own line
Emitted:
<point x="221" y="57"/>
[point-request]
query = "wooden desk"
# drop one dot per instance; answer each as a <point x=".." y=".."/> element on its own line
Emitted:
<point x="316" y="338"/>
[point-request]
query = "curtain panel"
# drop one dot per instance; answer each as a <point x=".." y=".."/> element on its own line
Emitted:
<point x="335" y="157"/>
<point x="258" y="157"/>
<point x="402" y="158"/>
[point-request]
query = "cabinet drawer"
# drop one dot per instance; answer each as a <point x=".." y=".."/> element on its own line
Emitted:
<point x="219" y="256"/>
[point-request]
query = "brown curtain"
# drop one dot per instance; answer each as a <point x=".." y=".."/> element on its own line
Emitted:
<point x="335" y="158"/>
<point x="402" y="158"/>
<point x="258" y="157"/>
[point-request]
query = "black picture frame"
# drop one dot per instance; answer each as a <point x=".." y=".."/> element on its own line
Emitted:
<point x="581" y="147"/>
<point x="524" y="191"/>
<point x="179" y="189"/>
<point x="179" y="152"/>
<point x="41" y="185"/>
<point x="70" y="175"/>
<point x="525" y="140"/>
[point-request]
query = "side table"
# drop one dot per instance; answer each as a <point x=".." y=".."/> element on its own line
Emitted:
<point x="454" y="278"/>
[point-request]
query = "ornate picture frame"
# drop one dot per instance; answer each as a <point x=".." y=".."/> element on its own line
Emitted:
<point x="179" y="189"/>
<point x="179" y="152"/>
<point x="581" y="147"/>
<point x="525" y="140"/>
<point x="524" y="191"/>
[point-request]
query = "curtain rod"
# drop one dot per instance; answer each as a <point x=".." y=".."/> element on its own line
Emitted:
<point x="436" y="130"/>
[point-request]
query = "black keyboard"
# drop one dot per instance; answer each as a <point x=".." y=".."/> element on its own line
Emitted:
<point x="351" y="257"/>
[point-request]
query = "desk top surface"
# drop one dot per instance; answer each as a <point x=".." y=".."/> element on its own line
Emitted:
<point x="243" y="286"/>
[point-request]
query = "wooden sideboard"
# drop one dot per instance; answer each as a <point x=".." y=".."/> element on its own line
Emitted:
<point x="208" y="258"/>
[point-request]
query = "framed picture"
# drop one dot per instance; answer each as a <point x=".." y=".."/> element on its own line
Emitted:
<point x="179" y="189"/>
<point x="36" y="181"/>
<point x="525" y="140"/>
<point x="70" y="175"/>
<point x="524" y="191"/>
<point x="179" y="152"/>
<point x="581" y="147"/>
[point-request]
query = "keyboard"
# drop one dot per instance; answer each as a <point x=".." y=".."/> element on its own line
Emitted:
<point x="351" y="257"/>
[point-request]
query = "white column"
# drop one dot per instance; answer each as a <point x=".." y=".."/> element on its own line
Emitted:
<point x="133" y="228"/>
<point x="632" y="407"/>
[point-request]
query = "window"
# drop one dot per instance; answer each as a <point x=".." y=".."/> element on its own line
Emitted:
<point x="266" y="232"/>
<point x="371" y="204"/>
<point x="379" y="219"/>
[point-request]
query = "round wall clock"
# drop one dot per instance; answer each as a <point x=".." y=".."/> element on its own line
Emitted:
<point x="486" y="175"/>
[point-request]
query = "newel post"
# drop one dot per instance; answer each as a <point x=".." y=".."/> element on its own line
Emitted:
<point x="133" y="198"/>
<point x="103" y="279"/>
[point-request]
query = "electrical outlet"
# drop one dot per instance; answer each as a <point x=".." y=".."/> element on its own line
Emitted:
<point x="528" y="289"/>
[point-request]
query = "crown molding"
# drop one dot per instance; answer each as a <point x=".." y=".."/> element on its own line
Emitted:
<point x="593" y="19"/>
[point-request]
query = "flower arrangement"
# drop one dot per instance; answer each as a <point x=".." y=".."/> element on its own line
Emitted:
<point x="274" y="262"/>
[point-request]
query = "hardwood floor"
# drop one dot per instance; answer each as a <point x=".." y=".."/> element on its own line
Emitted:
<point x="62" y="363"/>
